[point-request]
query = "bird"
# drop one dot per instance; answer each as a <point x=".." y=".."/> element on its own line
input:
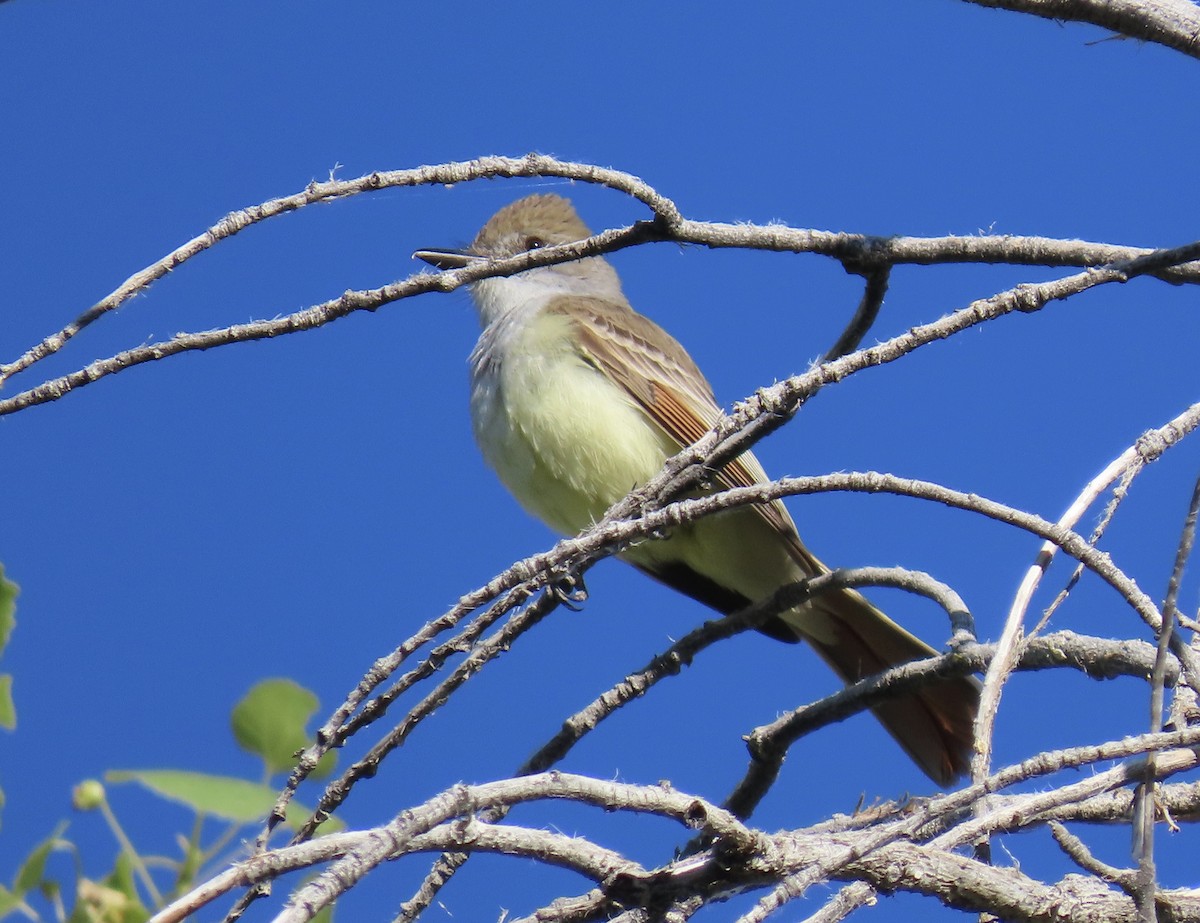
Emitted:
<point x="576" y="399"/>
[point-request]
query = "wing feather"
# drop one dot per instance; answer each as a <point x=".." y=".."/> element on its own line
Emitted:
<point x="649" y="364"/>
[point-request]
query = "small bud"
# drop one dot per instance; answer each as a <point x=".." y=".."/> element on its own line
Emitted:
<point x="87" y="795"/>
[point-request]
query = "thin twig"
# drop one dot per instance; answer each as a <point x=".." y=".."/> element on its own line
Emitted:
<point x="1076" y="849"/>
<point x="1127" y="464"/>
<point x="1145" y="810"/>
<point x="864" y="317"/>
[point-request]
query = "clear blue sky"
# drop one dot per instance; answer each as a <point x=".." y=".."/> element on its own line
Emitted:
<point x="298" y="507"/>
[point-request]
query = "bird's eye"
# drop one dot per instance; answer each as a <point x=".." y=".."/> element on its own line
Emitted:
<point x="534" y="243"/>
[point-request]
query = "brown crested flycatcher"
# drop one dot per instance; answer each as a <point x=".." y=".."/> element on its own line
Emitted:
<point x="576" y="399"/>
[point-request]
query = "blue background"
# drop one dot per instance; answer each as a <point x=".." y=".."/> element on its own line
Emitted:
<point x="299" y="506"/>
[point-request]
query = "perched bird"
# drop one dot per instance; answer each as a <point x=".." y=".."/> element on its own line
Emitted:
<point x="576" y="399"/>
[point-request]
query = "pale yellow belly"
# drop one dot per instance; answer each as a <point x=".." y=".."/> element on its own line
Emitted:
<point x="564" y="440"/>
<point x="568" y="444"/>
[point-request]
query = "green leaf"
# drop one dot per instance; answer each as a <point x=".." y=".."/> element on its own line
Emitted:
<point x="79" y="913"/>
<point x="189" y="865"/>
<point x="128" y="908"/>
<point x="8" y="902"/>
<point x="270" y="720"/>
<point x="8" y="607"/>
<point x="8" y="711"/>
<point x="33" y="869"/>
<point x="221" y="796"/>
<point x="121" y="877"/>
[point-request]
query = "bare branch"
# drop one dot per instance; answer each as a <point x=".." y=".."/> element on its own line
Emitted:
<point x="768" y="745"/>
<point x="1074" y="847"/>
<point x="235" y="222"/>
<point x="1145" y="810"/>
<point x="770" y="408"/>
<point x="868" y="254"/>
<point x="1173" y="23"/>
<point x="886" y="853"/>
<point x="1126" y="466"/>
<point x="398" y="835"/>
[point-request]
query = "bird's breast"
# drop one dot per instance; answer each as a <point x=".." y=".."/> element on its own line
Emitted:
<point x="564" y="439"/>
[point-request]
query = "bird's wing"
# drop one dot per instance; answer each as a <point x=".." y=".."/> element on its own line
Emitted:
<point x="646" y="362"/>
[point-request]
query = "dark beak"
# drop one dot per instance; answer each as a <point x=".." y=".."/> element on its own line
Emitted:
<point x="446" y="259"/>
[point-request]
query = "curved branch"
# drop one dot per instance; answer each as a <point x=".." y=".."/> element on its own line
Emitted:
<point x="1098" y="658"/>
<point x="396" y="836"/>
<point x="869" y="306"/>
<point x="743" y="858"/>
<point x="871" y="255"/>
<point x="441" y="174"/>
<point x="1172" y="23"/>
<point x="770" y="408"/>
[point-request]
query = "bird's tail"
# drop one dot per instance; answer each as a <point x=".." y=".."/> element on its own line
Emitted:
<point x="935" y="723"/>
